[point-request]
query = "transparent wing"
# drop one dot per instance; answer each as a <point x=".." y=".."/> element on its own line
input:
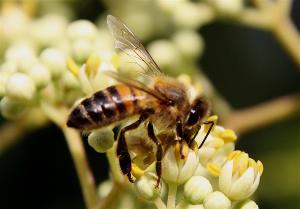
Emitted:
<point x="126" y="41"/>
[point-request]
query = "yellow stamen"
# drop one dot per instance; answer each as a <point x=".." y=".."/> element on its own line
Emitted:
<point x="233" y="154"/>
<point x="136" y="171"/>
<point x="92" y="64"/>
<point x="72" y="66"/>
<point x="217" y="142"/>
<point x="214" y="169"/>
<point x="252" y="163"/>
<point x="260" y="167"/>
<point x="228" y="136"/>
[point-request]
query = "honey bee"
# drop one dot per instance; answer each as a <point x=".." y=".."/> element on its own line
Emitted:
<point x="164" y="103"/>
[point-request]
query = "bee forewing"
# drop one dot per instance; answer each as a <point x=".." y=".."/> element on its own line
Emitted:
<point x="130" y="44"/>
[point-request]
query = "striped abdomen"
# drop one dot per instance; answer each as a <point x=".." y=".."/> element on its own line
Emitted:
<point x="105" y="107"/>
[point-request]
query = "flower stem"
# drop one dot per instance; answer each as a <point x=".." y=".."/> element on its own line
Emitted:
<point x="171" y="202"/>
<point x="83" y="170"/>
<point x="114" y="165"/>
<point x="159" y="203"/>
<point x="254" y="117"/>
<point x="74" y="142"/>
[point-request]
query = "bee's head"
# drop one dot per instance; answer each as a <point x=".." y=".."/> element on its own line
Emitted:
<point x="199" y="109"/>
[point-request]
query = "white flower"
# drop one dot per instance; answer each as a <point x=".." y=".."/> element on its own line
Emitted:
<point x="216" y="200"/>
<point x="240" y="176"/>
<point x="196" y="189"/>
<point x="177" y="170"/>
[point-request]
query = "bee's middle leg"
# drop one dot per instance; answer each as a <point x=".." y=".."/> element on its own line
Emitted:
<point x="159" y="152"/>
<point x="122" y="148"/>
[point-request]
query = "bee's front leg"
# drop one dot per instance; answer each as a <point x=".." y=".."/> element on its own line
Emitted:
<point x="122" y="148"/>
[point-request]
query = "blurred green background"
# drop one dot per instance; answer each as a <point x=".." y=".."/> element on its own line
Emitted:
<point x="246" y="66"/>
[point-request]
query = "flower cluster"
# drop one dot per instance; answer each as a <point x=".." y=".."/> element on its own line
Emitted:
<point x="60" y="64"/>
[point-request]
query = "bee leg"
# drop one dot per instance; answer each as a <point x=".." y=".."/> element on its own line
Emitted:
<point x="209" y="130"/>
<point x="179" y="131"/>
<point x="159" y="152"/>
<point x="122" y="148"/>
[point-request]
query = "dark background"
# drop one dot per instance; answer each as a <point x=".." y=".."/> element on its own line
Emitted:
<point x="246" y="66"/>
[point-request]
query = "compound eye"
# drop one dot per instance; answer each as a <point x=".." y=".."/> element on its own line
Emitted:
<point x="193" y="117"/>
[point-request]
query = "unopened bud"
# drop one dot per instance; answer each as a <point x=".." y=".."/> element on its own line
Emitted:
<point x="101" y="140"/>
<point x="216" y="200"/>
<point x="145" y="187"/>
<point x="12" y="109"/>
<point x="196" y="189"/>
<point x="20" y="86"/>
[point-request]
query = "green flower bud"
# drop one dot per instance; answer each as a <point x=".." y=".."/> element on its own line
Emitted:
<point x="82" y="29"/>
<point x="40" y="75"/>
<point x="196" y="189"/>
<point x="250" y="204"/>
<point x="70" y="81"/>
<point x="216" y="200"/>
<point x="145" y="187"/>
<point x="11" y="108"/>
<point x="189" y="43"/>
<point x="228" y="7"/>
<point x="101" y="140"/>
<point x="3" y="79"/>
<point x="45" y="36"/>
<point x="82" y="49"/>
<point x="20" y="86"/>
<point x="9" y="67"/>
<point x="22" y="54"/>
<point x="192" y="15"/>
<point x="54" y="59"/>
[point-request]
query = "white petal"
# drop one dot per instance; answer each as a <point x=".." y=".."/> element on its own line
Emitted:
<point x="254" y="185"/>
<point x="241" y="187"/>
<point x="189" y="167"/>
<point x="225" y="179"/>
<point x="169" y="166"/>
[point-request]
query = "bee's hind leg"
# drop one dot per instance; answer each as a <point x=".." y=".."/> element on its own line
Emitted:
<point x="122" y="148"/>
<point x="159" y="152"/>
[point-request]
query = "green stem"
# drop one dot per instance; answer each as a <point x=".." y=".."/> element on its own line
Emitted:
<point x="75" y="145"/>
<point x="114" y="165"/>
<point x="171" y="202"/>
<point x="159" y="203"/>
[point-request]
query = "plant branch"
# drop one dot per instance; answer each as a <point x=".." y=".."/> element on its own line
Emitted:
<point x="245" y="120"/>
<point x="12" y="131"/>
<point x="275" y="17"/>
<point x="159" y="203"/>
<point x="74" y="142"/>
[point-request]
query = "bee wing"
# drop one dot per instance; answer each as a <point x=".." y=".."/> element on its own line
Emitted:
<point x="121" y="77"/>
<point x="129" y="43"/>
